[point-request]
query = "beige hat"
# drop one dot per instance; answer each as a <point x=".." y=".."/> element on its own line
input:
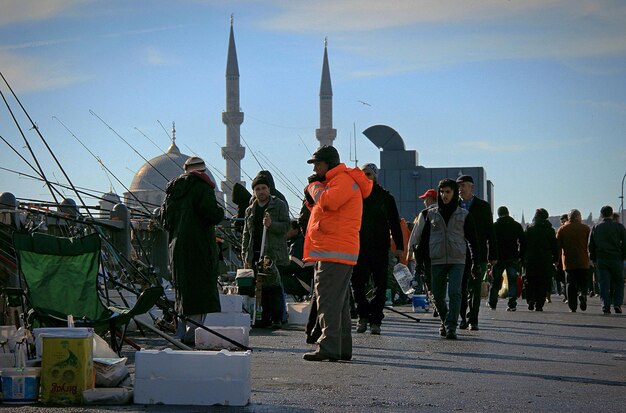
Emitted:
<point x="194" y="163"/>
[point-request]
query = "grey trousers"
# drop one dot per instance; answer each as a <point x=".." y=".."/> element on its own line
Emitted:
<point x="332" y="288"/>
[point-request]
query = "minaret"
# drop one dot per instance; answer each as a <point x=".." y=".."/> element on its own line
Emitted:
<point x="326" y="134"/>
<point x="233" y="152"/>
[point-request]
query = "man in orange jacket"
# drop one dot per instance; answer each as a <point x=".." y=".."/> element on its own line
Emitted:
<point x="335" y="197"/>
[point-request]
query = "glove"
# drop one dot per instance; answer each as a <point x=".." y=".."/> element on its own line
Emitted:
<point x="308" y="197"/>
<point x="314" y="178"/>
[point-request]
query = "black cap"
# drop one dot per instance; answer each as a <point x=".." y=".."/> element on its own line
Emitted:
<point x="325" y="153"/>
<point x="464" y="178"/>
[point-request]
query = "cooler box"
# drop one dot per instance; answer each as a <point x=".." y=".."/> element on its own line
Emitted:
<point x="66" y="368"/>
<point x="420" y="303"/>
<point x="298" y="313"/>
<point x="199" y="378"/>
<point x="245" y="282"/>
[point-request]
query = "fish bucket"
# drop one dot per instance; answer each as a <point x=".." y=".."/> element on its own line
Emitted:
<point x="20" y="385"/>
<point x="420" y="303"/>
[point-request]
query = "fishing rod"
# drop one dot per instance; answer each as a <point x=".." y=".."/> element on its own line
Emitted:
<point x="126" y="142"/>
<point x="83" y="191"/>
<point x="284" y="179"/>
<point x="161" y="150"/>
<point x="40" y="170"/>
<point x="305" y="147"/>
<point x="67" y="178"/>
<point x="235" y="161"/>
<point x="99" y="160"/>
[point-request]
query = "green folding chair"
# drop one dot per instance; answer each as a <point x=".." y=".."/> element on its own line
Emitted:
<point x="61" y="276"/>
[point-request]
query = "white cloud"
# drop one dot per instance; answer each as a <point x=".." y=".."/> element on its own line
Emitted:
<point x="497" y="147"/>
<point x="26" y="74"/>
<point x="155" y="57"/>
<point x="17" y="11"/>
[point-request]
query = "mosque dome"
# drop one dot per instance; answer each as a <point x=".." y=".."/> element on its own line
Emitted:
<point x="150" y="181"/>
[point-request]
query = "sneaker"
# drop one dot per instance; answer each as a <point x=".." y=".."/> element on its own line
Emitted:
<point x="618" y="309"/>
<point x="375" y="329"/>
<point x="442" y="331"/>
<point x="511" y="309"/>
<point x="362" y="325"/>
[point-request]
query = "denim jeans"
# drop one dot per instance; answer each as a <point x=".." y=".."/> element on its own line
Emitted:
<point x="452" y="275"/>
<point x="510" y="266"/>
<point x="611" y="279"/>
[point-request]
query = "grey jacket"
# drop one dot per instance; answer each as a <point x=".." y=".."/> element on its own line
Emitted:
<point x="276" y="242"/>
<point x="447" y="242"/>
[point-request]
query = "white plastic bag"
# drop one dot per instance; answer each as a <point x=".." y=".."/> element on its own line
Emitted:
<point x="404" y="277"/>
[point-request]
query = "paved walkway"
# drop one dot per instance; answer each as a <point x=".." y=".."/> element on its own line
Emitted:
<point x="523" y="361"/>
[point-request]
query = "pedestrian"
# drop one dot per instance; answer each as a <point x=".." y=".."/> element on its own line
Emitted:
<point x="422" y="275"/>
<point x="561" y="286"/>
<point x="380" y="217"/>
<point x="335" y="196"/>
<point x="190" y="213"/>
<point x="607" y="250"/>
<point x="486" y="250"/>
<point x="511" y="245"/>
<point x="572" y="239"/>
<point x="266" y="213"/>
<point x="540" y="258"/>
<point x="449" y="233"/>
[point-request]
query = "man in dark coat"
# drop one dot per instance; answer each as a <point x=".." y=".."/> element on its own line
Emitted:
<point x="510" y="238"/>
<point x="190" y="213"/>
<point x="486" y="250"/>
<point x="380" y="215"/>
<point x="540" y="258"/>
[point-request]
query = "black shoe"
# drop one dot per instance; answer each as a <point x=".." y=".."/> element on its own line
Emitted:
<point x="473" y="327"/>
<point x="606" y="312"/>
<point x="539" y="309"/>
<point x="451" y="335"/>
<point x="442" y="331"/>
<point x="531" y="306"/>
<point x="583" y="303"/>
<point x="511" y="309"/>
<point x="315" y="356"/>
<point x="463" y="325"/>
<point x="618" y="309"/>
<point x="435" y="313"/>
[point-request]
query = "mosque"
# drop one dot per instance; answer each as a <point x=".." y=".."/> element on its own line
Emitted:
<point x="399" y="171"/>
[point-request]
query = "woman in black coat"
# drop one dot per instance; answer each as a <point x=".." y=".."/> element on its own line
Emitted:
<point x="540" y="256"/>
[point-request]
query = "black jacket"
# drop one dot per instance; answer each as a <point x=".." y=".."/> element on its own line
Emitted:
<point x="483" y="218"/>
<point x="541" y="247"/>
<point x="380" y="215"/>
<point x="510" y="238"/>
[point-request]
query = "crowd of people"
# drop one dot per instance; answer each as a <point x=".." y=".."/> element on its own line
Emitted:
<point x="343" y="241"/>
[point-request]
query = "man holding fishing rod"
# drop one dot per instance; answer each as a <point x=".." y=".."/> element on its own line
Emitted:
<point x="190" y="213"/>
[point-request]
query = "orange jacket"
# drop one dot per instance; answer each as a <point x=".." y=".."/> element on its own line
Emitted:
<point x="333" y="230"/>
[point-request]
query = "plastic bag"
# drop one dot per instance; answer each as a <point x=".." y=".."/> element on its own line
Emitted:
<point x="404" y="277"/>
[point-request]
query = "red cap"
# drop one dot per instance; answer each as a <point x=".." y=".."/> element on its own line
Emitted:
<point x="430" y="193"/>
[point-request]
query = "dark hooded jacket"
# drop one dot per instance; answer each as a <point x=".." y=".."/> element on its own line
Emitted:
<point x="541" y="247"/>
<point x="189" y="213"/>
<point x="380" y="215"/>
<point x="510" y="238"/>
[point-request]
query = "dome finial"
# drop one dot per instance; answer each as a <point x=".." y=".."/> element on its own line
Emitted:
<point x="173" y="133"/>
<point x="173" y="148"/>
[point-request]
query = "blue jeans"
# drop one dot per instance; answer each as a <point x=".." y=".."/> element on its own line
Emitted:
<point x="611" y="280"/>
<point x="510" y="266"/>
<point x="452" y="275"/>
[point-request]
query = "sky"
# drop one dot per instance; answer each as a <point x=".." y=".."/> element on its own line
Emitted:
<point x="534" y="91"/>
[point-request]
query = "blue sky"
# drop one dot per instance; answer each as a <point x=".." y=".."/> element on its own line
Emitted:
<point x="534" y="91"/>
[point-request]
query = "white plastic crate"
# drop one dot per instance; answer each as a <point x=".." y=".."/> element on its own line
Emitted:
<point x="199" y="378"/>
<point x="231" y="303"/>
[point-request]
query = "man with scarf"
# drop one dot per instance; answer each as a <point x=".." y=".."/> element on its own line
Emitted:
<point x="190" y="213"/>
<point x="449" y="232"/>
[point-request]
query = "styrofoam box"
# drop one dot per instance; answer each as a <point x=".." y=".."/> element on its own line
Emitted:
<point x="205" y="340"/>
<point x="231" y="303"/>
<point x="196" y="378"/>
<point x="227" y="320"/>
<point x="298" y="313"/>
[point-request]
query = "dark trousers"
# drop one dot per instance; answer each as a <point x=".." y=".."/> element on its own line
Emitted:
<point x="536" y="289"/>
<point x="470" y="293"/>
<point x="372" y="263"/>
<point x="576" y="286"/>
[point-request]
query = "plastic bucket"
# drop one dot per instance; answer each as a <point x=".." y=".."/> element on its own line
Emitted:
<point x="420" y="303"/>
<point x="20" y="385"/>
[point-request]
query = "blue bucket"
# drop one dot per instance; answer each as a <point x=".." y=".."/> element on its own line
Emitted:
<point x="20" y="385"/>
<point x="420" y="303"/>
